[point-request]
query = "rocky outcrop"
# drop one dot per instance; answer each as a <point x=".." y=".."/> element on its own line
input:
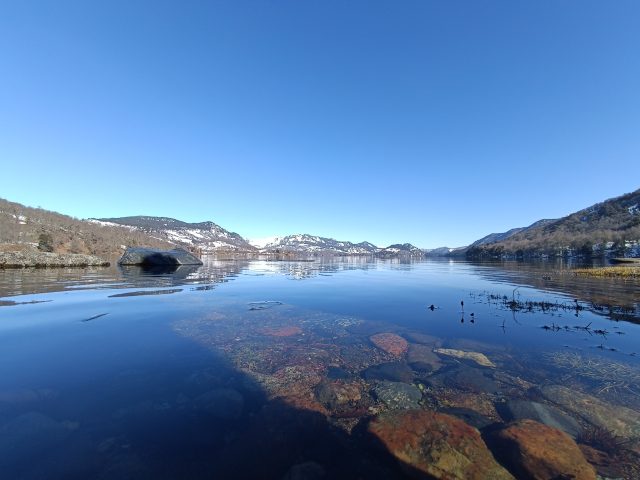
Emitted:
<point x="158" y="258"/>
<point x="437" y="445"/>
<point x="47" y="259"/>
<point x="538" y="452"/>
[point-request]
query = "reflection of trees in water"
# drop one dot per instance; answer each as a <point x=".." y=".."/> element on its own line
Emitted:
<point x="613" y="297"/>
<point x="45" y="280"/>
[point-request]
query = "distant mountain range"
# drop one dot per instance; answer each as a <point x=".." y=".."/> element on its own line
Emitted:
<point x="611" y="227"/>
<point x="207" y="237"/>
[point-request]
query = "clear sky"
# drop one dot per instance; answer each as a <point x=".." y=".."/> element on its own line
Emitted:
<point x="430" y="122"/>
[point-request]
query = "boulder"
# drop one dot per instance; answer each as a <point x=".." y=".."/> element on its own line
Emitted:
<point x="396" y="395"/>
<point x="436" y="445"/>
<point x="535" y="451"/>
<point x="158" y="258"/>
<point x="334" y="394"/>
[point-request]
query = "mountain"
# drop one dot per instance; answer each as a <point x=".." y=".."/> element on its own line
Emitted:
<point x="610" y="228"/>
<point x="204" y="237"/>
<point x="498" y="237"/>
<point x="311" y="244"/>
<point x="30" y="229"/>
<point x="400" y="250"/>
<point x="304" y="243"/>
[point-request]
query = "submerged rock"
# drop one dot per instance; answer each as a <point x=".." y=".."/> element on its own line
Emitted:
<point x="545" y="414"/>
<point x="398" y="396"/>
<point x="390" y="343"/>
<point x="336" y="394"/>
<point x="395" y="372"/>
<point x="163" y="258"/>
<point x="539" y="452"/>
<point x="617" y="419"/>
<point x="438" y="445"/>
<point x="422" y="358"/>
<point x="480" y="358"/>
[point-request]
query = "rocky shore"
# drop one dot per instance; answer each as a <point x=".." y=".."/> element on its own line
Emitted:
<point x="48" y="260"/>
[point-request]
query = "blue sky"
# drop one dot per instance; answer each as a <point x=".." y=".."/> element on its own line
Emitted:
<point x="428" y="122"/>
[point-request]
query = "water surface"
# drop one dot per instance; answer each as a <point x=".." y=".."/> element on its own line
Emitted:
<point x="227" y="370"/>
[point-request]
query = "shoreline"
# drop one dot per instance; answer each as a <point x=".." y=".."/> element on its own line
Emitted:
<point x="14" y="260"/>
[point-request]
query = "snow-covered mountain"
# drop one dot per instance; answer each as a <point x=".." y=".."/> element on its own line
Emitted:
<point x="204" y="236"/>
<point x="399" y="250"/>
<point x="313" y="244"/>
<point x="304" y="243"/>
<point x="207" y="237"/>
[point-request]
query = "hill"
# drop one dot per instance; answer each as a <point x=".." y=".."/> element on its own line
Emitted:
<point x="29" y="229"/>
<point x="610" y="228"/>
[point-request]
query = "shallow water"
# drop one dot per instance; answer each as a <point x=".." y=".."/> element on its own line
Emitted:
<point x="227" y="370"/>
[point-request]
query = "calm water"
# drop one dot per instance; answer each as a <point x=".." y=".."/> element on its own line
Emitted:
<point x="226" y="371"/>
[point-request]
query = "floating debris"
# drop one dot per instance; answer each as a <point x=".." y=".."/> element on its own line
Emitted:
<point x="94" y="317"/>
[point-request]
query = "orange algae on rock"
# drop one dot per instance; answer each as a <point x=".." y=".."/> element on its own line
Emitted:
<point x="390" y="343"/>
<point x="437" y="445"/>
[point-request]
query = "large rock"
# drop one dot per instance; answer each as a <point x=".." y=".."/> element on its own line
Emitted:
<point x="535" y="451"/>
<point x="158" y="258"/>
<point x="437" y="445"/>
<point x="396" y="395"/>
<point x="619" y="420"/>
<point x="335" y="394"/>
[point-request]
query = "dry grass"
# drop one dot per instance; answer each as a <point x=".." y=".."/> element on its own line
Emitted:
<point x="619" y="271"/>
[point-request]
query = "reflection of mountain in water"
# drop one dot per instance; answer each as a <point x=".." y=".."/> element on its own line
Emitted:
<point x="554" y="276"/>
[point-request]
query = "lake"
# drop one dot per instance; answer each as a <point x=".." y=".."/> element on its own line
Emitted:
<point x="253" y="368"/>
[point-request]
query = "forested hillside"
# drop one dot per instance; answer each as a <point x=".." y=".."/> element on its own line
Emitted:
<point x="25" y="228"/>
<point x="611" y="227"/>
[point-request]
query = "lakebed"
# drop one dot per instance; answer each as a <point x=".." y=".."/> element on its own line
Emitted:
<point x="285" y="369"/>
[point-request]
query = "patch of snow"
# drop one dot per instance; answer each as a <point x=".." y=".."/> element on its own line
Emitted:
<point x="264" y="241"/>
<point x="634" y="209"/>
